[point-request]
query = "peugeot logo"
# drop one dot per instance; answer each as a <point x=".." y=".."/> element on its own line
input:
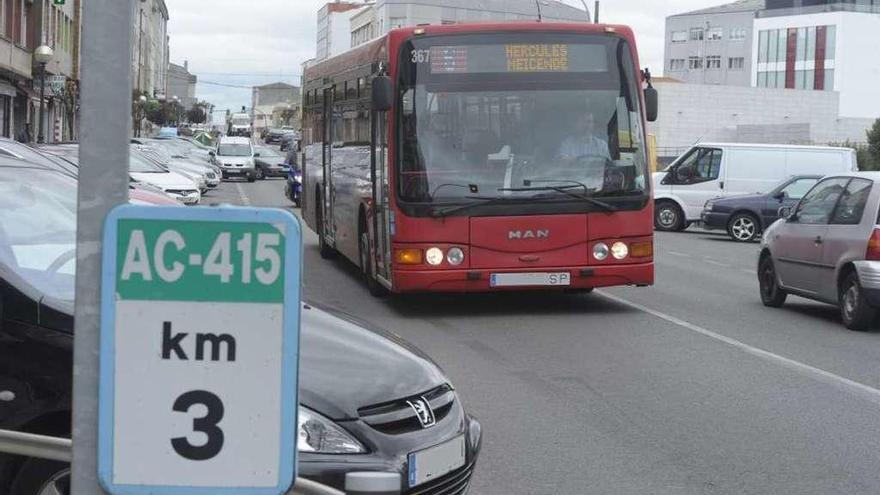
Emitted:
<point x="519" y="235"/>
<point x="423" y="411"/>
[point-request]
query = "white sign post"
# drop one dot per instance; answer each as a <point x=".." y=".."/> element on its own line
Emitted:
<point x="199" y="351"/>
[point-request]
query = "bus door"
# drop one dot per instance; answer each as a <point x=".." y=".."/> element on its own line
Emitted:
<point x="381" y="206"/>
<point x="328" y="191"/>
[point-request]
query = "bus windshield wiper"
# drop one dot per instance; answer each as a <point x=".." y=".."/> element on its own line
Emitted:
<point x="478" y="201"/>
<point x="566" y="191"/>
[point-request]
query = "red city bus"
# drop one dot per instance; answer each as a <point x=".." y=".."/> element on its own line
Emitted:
<point x="483" y="157"/>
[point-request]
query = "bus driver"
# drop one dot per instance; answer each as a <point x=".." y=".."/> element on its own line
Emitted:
<point x="584" y="143"/>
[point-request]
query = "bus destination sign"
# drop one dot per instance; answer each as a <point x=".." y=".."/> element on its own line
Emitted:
<point x="513" y="58"/>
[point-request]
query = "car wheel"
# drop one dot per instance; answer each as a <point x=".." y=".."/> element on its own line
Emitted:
<point x="252" y="177"/>
<point x="743" y="227"/>
<point x="668" y="217"/>
<point x="41" y="477"/>
<point x="855" y="311"/>
<point x="259" y="173"/>
<point x="326" y="251"/>
<point x="772" y="295"/>
<point x="376" y="290"/>
<point x="223" y="176"/>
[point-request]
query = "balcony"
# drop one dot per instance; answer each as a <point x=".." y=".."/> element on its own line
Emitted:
<point x="15" y="59"/>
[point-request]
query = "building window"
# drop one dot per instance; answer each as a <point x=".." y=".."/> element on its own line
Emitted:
<point x="715" y="34"/>
<point x="396" y="22"/>
<point x="695" y="63"/>
<point x="679" y="36"/>
<point x="696" y="34"/>
<point x="737" y="34"/>
<point x="676" y="64"/>
<point x="713" y="62"/>
<point x="736" y="63"/>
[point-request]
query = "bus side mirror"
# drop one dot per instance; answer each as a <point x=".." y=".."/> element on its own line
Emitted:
<point x="651" y="105"/>
<point x="383" y="94"/>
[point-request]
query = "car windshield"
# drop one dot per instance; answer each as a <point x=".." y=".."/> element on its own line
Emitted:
<point x="234" y="149"/>
<point x="171" y="147"/>
<point x="140" y="164"/>
<point x="267" y="152"/>
<point x="480" y="114"/>
<point x="38" y="229"/>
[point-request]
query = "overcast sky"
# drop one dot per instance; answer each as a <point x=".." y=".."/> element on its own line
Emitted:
<point x="253" y="42"/>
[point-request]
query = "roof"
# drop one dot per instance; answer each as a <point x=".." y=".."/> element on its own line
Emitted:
<point x="277" y="85"/>
<point x="551" y="9"/>
<point x="729" y="8"/>
<point x="787" y="146"/>
<point x="235" y="140"/>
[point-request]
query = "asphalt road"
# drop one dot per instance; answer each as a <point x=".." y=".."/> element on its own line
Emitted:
<point x="689" y="387"/>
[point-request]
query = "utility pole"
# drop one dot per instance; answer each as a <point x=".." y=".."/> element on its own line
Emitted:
<point x="103" y="184"/>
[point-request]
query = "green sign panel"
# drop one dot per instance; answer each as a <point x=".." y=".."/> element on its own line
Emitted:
<point x="165" y="260"/>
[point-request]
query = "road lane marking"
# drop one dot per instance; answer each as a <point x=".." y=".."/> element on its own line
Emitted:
<point x="859" y="389"/>
<point x="676" y="253"/>
<point x="716" y="263"/>
<point x="245" y="201"/>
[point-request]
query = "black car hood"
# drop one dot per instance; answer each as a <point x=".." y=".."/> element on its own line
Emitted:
<point x="344" y="366"/>
<point x="741" y="199"/>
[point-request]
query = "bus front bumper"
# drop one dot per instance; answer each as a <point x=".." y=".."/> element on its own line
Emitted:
<point x="479" y="280"/>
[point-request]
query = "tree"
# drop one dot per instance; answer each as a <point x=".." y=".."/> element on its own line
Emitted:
<point x="196" y="115"/>
<point x="874" y="143"/>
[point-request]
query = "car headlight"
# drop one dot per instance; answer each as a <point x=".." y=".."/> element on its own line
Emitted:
<point x="709" y="205"/>
<point x="319" y="435"/>
<point x="434" y="256"/>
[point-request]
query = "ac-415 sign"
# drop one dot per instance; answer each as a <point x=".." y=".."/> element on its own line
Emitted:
<point x="199" y="351"/>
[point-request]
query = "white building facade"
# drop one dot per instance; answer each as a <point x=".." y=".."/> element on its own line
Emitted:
<point x="831" y="51"/>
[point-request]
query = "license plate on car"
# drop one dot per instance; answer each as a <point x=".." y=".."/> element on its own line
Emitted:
<point x="436" y="462"/>
<point x="530" y="279"/>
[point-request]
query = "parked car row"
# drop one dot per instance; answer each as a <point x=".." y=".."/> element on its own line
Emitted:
<point x="368" y="400"/>
<point x="740" y="187"/>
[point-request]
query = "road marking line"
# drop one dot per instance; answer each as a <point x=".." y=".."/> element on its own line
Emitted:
<point x="859" y="389"/>
<point x="716" y="263"/>
<point x="676" y="253"/>
<point x="245" y="201"/>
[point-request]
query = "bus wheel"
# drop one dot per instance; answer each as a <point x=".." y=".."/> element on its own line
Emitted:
<point x="327" y="252"/>
<point x="373" y="285"/>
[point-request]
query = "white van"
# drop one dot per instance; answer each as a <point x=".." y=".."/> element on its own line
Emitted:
<point x="713" y="170"/>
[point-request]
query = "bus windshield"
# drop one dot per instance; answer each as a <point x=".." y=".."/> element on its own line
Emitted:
<point x="519" y="116"/>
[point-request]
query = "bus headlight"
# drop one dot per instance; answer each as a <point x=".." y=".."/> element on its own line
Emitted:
<point x="434" y="256"/>
<point x="600" y="251"/>
<point x="455" y="256"/>
<point x="619" y="250"/>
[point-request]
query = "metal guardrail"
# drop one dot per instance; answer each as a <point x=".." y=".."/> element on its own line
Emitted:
<point x="61" y="449"/>
<point x="43" y="447"/>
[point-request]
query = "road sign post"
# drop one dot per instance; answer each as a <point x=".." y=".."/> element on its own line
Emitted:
<point x="103" y="183"/>
<point x="199" y="350"/>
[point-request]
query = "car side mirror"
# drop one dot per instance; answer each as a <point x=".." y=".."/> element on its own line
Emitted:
<point x="780" y="195"/>
<point x="787" y="213"/>
<point x="651" y="104"/>
<point x="383" y="94"/>
<point x="212" y="153"/>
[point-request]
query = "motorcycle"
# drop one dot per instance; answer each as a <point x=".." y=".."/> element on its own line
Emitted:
<point x="293" y="188"/>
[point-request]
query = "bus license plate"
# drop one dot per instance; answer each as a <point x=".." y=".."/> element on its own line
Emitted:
<point x="530" y="279"/>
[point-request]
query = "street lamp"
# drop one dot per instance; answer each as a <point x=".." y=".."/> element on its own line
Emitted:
<point x="176" y="109"/>
<point x="42" y="55"/>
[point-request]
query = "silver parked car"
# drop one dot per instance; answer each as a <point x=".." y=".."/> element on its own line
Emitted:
<point x="828" y="249"/>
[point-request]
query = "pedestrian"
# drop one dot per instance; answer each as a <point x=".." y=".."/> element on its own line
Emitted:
<point x="24" y="135"/>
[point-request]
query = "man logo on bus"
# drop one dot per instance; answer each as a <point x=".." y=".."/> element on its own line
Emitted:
<point x="528" y="234"/>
